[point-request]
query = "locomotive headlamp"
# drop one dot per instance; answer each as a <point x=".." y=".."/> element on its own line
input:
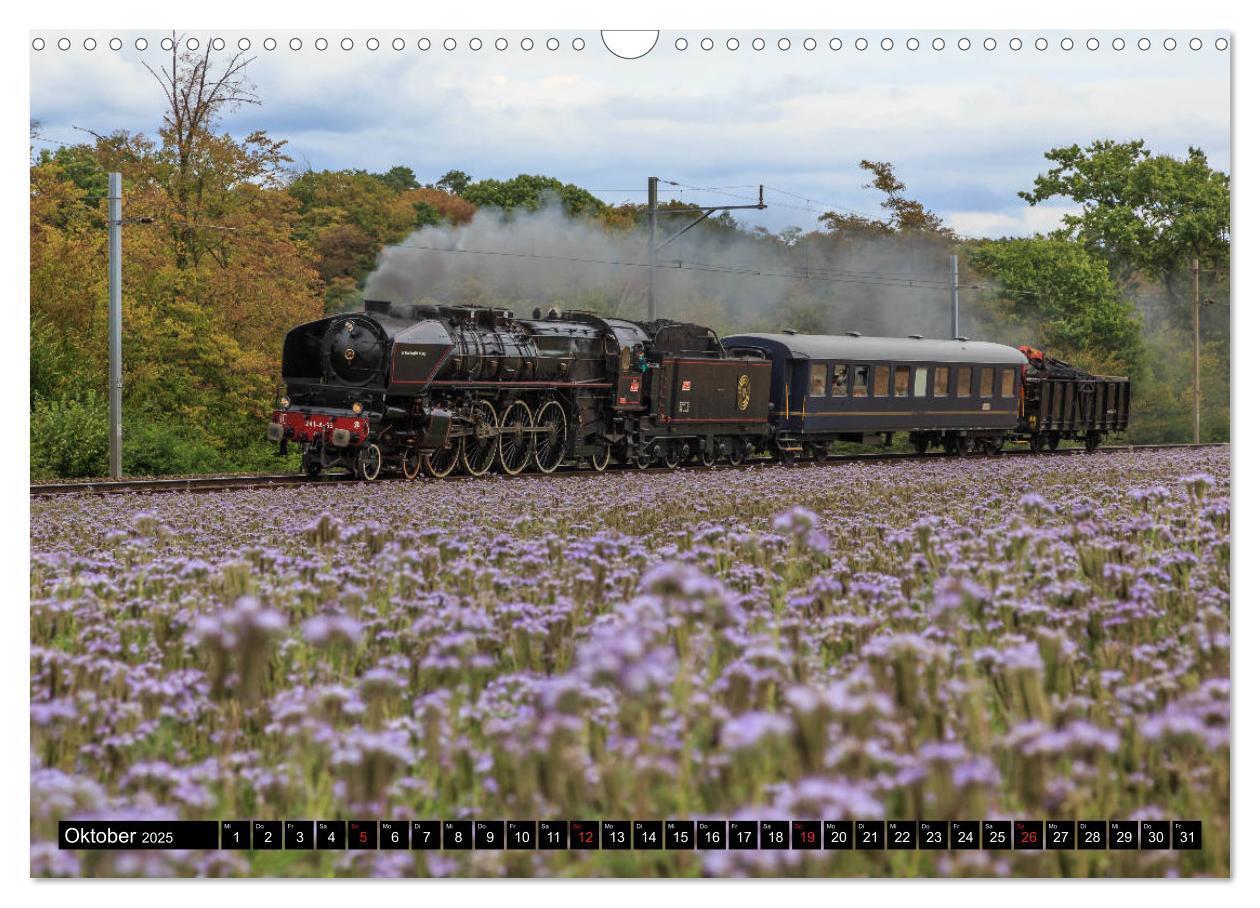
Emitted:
<point x="357" y="407"/>
<point x="284" y="403"/>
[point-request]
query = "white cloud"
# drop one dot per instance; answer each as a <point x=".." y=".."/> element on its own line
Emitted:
<point x="1019" y="222"/>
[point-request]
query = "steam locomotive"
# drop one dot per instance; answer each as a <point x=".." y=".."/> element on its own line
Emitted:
<point x="414" y="387"/>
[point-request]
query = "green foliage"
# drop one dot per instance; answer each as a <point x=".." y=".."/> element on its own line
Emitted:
<point x="70" y="436"/>
<point x="531" y="193"/>
<point x="399" y="178"/>
<point x="1064" y="293"/>
<point x="454" y="182"/>
<point x="165" y="449"/>
<point x="1144" y="213"/>
<point x="82" y="168"/>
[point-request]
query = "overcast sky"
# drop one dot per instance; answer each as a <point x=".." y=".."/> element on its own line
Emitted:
<point x="965" y="129"/>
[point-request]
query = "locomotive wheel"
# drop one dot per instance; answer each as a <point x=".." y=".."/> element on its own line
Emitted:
<point x="480" y="447"/>
<point x="440" y="463"/>
<point x="367" y="465"/>
<point x="550" y="440"/>
<point x="950" y="445"/>
<point x="671" y="456"/>
<point x="920" y="443"/>
<point x="600" y="461"/>
<point x="1091" y="442"/>
<point x="411" y="463"/>
<point x="1036" y="444"/>
<point x="641" y="460"/>
<point x="515" y="438"/>
<point x="819" y="453"/>
<point x="736" y="457"/>
<point x="312" y="467"/>
<point x="993" y="446"/>
<point x="964" y="446"/>
<point x="708" y="455"/>
<point x="1052" y="442"/>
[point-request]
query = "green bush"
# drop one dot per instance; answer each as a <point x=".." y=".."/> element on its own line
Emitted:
<point x="70" y="437"/>
<point x="157" y="449"/>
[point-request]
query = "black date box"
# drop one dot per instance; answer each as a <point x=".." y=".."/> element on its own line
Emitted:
<point x="711" y="835"/>
<point x="267" y="835"/>
<point x="614" y="835"/>
<point x="995" y="835"/>
<point x="1030" y="835"/>
<point x="1187" y="835"/>
<point x="553" y="835"/>
<point x="1122" y="835"/>
<point x="1154" y="834"/>
<point x="362" y="835"/>
<point x="457" y="835"/>
<point x="680" y="835"/>
<point x="743" y="834"/>
<point x="1091" y="835"/>
<point x="900" y="835"/>
<point x="868" y="835"/>
<point x="426" y="835"/>
<point x="393" y="835"/>
<point x="649" y="834"/>
<point x="330" y="834"/>
<point x="1060" y="835"/>
<point x="234" y="834"/>
<point x="964" y="835"/>
<point x="488" y="835"/>
<point x="299" y="835"/>
<point x="521" y="835"/>
<point x="933" y="835"/>
<point x="807" y="834"/>
<point x="837" y="835"/>
<point x="584" y="835"/>
<point x="773" y="834"/>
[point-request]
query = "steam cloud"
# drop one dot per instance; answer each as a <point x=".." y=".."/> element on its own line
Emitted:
<point x="728" y="280"/>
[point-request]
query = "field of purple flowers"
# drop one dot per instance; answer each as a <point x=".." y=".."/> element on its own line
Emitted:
<point x="983" y="638"/>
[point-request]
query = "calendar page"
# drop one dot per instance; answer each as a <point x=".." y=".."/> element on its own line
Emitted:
<point x="685" y="453"/>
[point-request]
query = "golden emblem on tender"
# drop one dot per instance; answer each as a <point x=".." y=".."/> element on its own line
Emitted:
<point x="743" y="392"/>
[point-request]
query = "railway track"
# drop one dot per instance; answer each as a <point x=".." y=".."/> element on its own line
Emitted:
<point x="225" y="483"/>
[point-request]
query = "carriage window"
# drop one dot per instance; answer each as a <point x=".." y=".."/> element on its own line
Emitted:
<point x="881" y="382"/>
<point x="840" y="380"/>
<point x="817" y="379"/>
<point x="964" y="381"/>
<point x="940" y="388"/>
<point x="1008" y="382"/>
<point x="986" y="382"/>
<point x="920" y="381"/>
<point x="901" y="381"/>
<point x="859" y="380"/>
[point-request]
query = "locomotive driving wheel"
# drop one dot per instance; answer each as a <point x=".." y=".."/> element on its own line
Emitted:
<point x="549" y="441"/>
<point x="670" y="457"/>
<point x="515" y="438"/>
<point x="367" y="464"/>
<point x="708" y="455"/>
<point x="736" y="456"/>
<point x="600" y="461"/>
<point x="440" y="463"/>
<point x="411" y="463"/>
<point x="481" y="447"/>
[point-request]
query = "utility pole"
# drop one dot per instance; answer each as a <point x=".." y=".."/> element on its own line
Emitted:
<point x="652" y="182"/>
<point x="1195" y="271"/>
<point x="953" y="297"/>
<point x="654" y="248"/>
<point x="115" y="325"/>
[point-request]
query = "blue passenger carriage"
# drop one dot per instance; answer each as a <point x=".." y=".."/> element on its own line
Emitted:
<point x="956" y="394"/>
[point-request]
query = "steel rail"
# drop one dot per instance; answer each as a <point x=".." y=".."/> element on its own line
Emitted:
<point x="230" y="483"/>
